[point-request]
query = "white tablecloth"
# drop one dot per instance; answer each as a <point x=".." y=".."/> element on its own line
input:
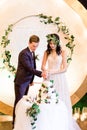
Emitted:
<point x="51" y="116"/>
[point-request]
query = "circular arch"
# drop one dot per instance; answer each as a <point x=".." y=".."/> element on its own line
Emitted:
<point x="80" y="92"/>
<point x="47" y="20"/>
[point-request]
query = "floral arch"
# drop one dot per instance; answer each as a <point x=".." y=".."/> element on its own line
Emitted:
<point x="43" y="19"/>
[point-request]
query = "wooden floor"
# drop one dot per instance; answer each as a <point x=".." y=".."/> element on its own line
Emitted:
<point x="6" y="123"/>
<point x="83" y="124"/>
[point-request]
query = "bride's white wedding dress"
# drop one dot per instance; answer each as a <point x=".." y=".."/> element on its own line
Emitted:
<point x="61" y="86"/>
<point x="52" y="116"/>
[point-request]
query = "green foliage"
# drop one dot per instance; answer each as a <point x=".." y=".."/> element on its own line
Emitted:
<point x="5" y="41"/>
<point x="61" y="27"/>
<point x="52" y="38"/>
<point x="7" y="54"/>
<point x="82" y="103"/>
<point x="33" y="111"/>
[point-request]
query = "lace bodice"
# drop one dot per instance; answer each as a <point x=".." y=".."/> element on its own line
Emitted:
<point x="54" y="62"/>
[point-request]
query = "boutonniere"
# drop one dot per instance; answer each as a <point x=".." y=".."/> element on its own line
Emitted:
<point x="36" y="57"/>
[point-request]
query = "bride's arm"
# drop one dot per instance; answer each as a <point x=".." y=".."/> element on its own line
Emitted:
<point x="43" y="66"/>
<point x="64" y="64"/>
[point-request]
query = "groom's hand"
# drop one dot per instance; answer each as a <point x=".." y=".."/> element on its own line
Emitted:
<point x="44" y="74"/>
<point x="31" y="84"/>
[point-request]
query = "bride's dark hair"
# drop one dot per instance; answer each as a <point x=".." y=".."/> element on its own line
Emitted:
<point x="56" y="39"/>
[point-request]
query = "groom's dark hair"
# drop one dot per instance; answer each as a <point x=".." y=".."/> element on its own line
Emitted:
<point x="34" y="38"/>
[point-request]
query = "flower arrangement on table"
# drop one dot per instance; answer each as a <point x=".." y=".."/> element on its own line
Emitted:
<point x="47" y="94"/>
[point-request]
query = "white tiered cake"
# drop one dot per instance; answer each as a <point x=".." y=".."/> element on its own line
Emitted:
<point x="47" y="111"/>
<point x="47" y="93"/>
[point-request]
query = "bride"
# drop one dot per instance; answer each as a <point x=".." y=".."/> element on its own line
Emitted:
<point x="56" y="60"/>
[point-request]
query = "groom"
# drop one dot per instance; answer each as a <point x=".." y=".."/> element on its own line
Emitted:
<point x="26" y="71"/>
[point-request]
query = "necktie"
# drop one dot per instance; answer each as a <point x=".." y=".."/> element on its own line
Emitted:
<point x="33" y="54"/>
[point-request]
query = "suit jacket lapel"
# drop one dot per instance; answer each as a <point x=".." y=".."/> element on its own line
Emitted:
<point x="33" y="57"/>
<point x="34" y="60"/>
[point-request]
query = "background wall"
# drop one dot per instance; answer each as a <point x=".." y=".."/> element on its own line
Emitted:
<point x="12" y="11"/>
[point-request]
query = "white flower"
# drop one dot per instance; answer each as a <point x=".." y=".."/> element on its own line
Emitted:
<point x="47" y="83"/>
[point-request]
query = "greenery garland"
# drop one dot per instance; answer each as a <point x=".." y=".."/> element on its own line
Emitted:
<point x="34" y="107"/>
<point x="6" y="55"/>
<point x="33" y="111"/>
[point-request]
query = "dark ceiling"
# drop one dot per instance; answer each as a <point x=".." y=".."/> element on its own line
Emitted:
<point x="83" y="2"/>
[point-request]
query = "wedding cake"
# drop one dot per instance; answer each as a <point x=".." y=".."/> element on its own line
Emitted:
<point x="47" y="93"/>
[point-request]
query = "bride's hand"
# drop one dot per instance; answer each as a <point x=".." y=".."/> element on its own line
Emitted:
<point x="45" y="74"/>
